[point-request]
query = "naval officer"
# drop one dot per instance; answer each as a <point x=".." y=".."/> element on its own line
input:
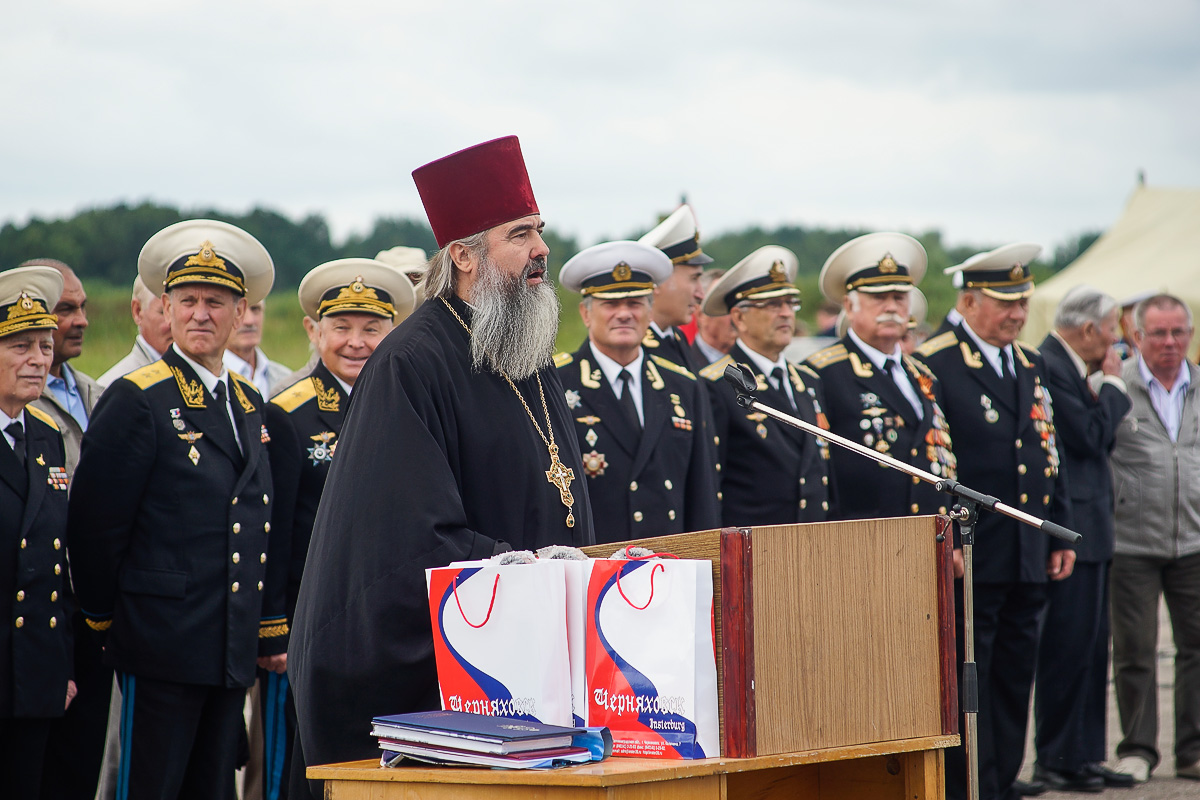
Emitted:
<point x="170" y="515"/>
<point x="647" y="461"/>
<point x="770" y="473"/>
<point x="677" y="297"/>
<point x="350" y="305"/>
<point x="35" y="640"/>
<point x="875" y="394"/>
<point x="999" y="410"/>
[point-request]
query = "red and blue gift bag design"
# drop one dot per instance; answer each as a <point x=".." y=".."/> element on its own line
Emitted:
<point x="500" y="640"/>
<point x="651" y="660"/>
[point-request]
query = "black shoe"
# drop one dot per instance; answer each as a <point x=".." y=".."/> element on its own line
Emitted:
<point x="1031" y="789"/>
<point x="1117" y="780"/>
<point x="1068" y="780"/>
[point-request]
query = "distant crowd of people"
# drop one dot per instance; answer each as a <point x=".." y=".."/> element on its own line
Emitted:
<point x="200" y="520"/>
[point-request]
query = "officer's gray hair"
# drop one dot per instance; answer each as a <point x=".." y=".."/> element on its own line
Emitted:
<point x="141" y="293"/>
<point x="1082" y="305"/>
<point x="1163" y="301"/>
<point x="441" y="278"/>
<point x="855" y="302"/>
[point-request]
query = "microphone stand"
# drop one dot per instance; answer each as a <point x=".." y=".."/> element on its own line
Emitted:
<point x="966" y="512"/>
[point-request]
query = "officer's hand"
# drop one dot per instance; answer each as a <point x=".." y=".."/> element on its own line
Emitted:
<point x="72" y="690"/>
<point x="1111" y="365"/>
<point x="1060" y="564"/>
<point x="959" y="569"/>
<point x="274" y="663"/>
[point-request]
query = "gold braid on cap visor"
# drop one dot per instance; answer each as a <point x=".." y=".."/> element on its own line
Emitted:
<point x="205" y="266"/>
<point x="26" y="314"/>
<point x="356" y="297"/>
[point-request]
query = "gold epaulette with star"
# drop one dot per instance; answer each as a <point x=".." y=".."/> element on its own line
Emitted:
<point x="149" y="375"/>
<point x="38" y="414"/>
<point x="716" y="370"/>
<point x="671" y="365"/>
<point x="295" y="395"/>
<point x="938" y="343"/>
<point x="829" y="355"/>
<point x="807" y="370"/>
<point x="562" y="359"/>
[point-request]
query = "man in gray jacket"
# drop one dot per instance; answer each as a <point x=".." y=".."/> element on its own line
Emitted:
<point x="1156" y="475"/>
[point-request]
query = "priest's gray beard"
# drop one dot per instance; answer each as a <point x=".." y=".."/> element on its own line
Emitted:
<point x="513" y="325"/>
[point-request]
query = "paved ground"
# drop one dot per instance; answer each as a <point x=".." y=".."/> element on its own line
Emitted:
<point x="1163" y="784"/>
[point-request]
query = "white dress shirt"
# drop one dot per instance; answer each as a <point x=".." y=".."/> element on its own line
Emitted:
<point x="1168" y="403"/>
<point x="766" y="366"/>
<point x="210" y="382"/>
<point x="878" y="357"/>
<point x="992" y="353"/>
<point x="612" y="371"/>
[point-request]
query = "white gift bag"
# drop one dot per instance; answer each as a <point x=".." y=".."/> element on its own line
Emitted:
<point x="651" y="659"/>
<point x="500" y="639"/>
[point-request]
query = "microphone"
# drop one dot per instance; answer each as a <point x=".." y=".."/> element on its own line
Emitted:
<point x="742" y="379"/>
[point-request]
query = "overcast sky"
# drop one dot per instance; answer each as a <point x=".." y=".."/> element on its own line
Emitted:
<point x="991" y="121"/>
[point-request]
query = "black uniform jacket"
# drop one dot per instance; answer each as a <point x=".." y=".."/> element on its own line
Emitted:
<point x="865" y="405"/>
<point x="169" y="528"/>
<point x="1006" y="446"/>
<point x="652" y="481"/>
<point x="305" y="421"/>
<point x="35" y="639"/>
<point x="1087" y="427"/>
<point x="770" y="473"/>
<point x="673" y="348"/>
<point x="436" y="463"/>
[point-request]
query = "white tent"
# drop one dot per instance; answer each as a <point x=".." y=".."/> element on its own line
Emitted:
<point x="1154" y="246"/>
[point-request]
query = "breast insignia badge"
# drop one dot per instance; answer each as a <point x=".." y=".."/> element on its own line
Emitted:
<point x="594" y="464"/>
<point x="322" y="451"/>
<point x="191" y="437"/>
<point x="573" y="399"/>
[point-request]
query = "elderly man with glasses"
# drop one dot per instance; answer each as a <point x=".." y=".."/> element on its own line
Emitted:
<point x="770" y="473"/>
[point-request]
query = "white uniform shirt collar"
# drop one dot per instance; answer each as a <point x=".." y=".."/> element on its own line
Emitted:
<point x="991" y="352"/>
<point x="766" y="366"/>
<point x="612" y="371"/>
<point x="669" y="333"/>
<point x="878" y="357"/>
<point x="347" y="387"/>
<point x="206" y="377"/>
<point x="150" y="351"/>
<point x="6" y="420"/>
<point x="710" y="352"/>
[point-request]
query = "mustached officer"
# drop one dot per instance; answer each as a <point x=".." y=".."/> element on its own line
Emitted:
<point x="649" y="466"/>
<point x="998" y="405"/>
<point x="771" y="473"/>
<point x="170" y="510"/>
<point x="877" y="395"/>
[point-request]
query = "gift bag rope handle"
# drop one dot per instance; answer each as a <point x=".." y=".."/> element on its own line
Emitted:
<point x="495" y="585"/>
<point x="649" y="599"/>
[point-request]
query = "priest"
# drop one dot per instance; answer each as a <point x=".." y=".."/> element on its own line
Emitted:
<point x="457" y="444"/>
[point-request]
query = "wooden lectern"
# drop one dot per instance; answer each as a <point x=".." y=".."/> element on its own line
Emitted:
<point x="837" y="676"/>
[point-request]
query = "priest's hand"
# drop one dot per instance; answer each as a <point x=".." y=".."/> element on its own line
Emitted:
<point x="1060" y="565"/>
<point x="72" y="690"/>
<point x="277" y="664"/>
<point x="959" y="569"/>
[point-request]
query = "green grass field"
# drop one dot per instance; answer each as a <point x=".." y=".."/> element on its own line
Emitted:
<point x="111" y="329"/>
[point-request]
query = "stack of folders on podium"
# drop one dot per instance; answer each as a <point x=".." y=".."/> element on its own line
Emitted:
<point x="456" y="738"/>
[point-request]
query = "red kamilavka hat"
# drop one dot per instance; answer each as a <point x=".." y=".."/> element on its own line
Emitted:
<point x="475" y="189"/>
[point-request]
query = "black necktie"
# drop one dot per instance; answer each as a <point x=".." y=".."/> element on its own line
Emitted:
<point x="896" y="372"/>
<point x="223" y="404"/>
<point x="626" y="398"/>
<point x="778" y="375"/>
<point x="1006" y="359"/>
<point x="17" y="431"/>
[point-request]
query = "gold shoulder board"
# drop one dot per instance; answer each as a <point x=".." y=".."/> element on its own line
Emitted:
<point x="295" y="395"/>
<point x="562" y="359"/>
<point x="806" y="369"/>
<point x="150" y="375"/>
<point x="938" y="343"/>
<point x="671" y="365"/>
<point x="38" y="414"/>
<point x="1022" y="349"/>
<point x="716" y="370"/>
<point x="829" y="355"/>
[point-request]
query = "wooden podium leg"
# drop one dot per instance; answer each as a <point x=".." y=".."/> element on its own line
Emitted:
<point x="925" y="775"/>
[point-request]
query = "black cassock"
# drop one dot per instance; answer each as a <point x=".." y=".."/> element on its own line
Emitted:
<point x="435" y="463"/>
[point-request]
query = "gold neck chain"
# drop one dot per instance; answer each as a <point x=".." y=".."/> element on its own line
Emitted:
<point x="559" y="474"/>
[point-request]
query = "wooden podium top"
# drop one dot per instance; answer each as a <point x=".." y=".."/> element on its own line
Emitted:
<point x="616" y="771"/>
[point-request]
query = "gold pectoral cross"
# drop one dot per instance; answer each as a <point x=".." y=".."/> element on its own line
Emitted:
<point x="561" y="476"/>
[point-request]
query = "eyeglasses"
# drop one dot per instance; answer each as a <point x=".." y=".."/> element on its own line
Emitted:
<point x="1175" y="333"/>
<point x="773" y="305"/>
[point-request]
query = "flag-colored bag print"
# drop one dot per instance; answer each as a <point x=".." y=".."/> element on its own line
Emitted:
<point x="651" y="664"/>
<point x="500" y="640"/>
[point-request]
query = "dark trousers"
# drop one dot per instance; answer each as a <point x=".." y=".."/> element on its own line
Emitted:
<point x="1072" y="671"/>
<point x="178" y="740"/>
<point x="1137" y="582"/>
<point x="279" y="732"/>
<point x="1006" y="640"/>
<point x="22" y="753"/>
<point x="75" y="752"/>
